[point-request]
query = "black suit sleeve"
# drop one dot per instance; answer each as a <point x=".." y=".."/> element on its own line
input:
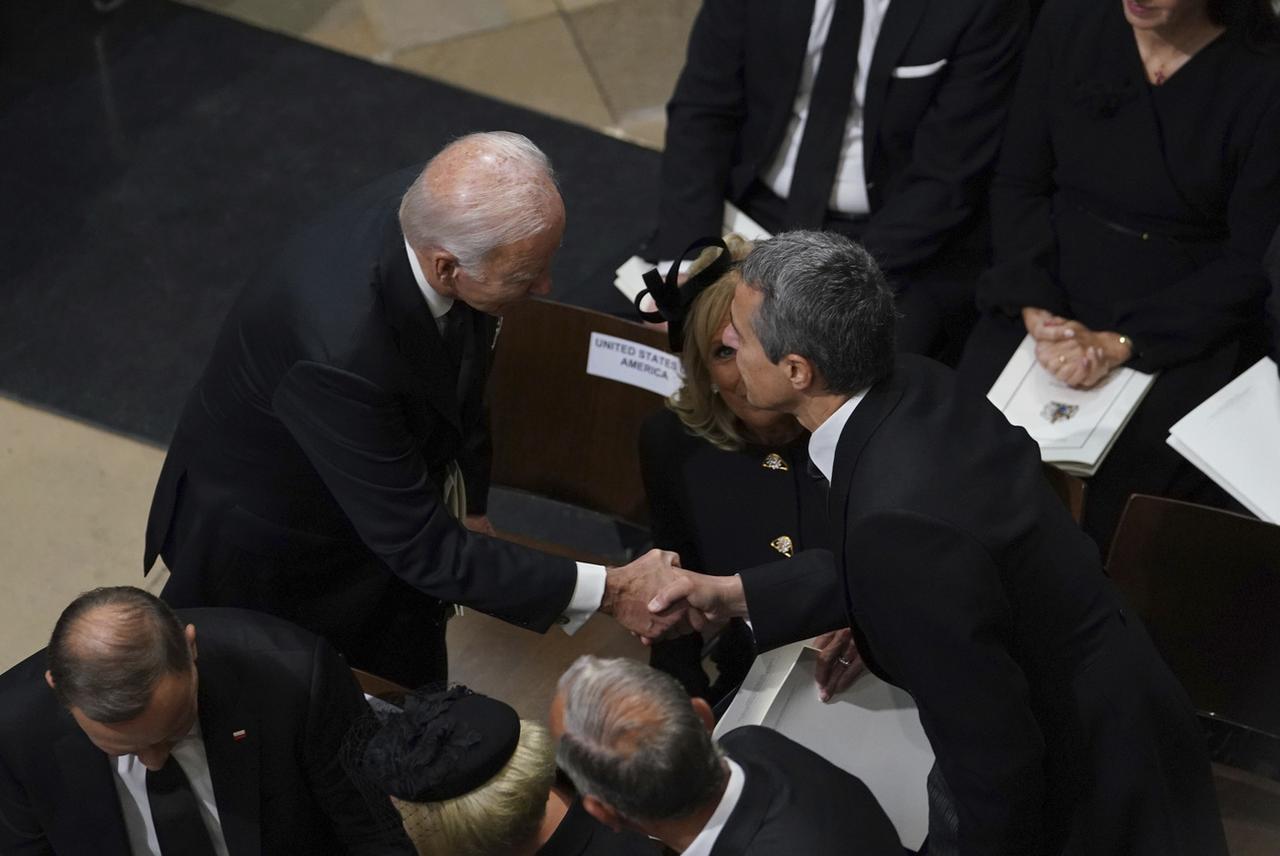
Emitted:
<point x="354" y="434"/>
<point x="932" y="606"/>
<point x="793" y="599"/>
<point x="670" y="521"/>
<point x="1021" y="193"/>
<point x="335" y="703"/>
<point x="704" y="118"/>
<point x="20" y="831"/>
<point x="475" y="462"/>
<point x="955" y="143"/>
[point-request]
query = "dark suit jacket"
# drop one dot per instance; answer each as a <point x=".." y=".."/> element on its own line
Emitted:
<point x="929" y="142"/>
<point x="580" y="834"/>
<point x="304" y="476"/>
<point x="279" y="790"/>
<point x="1054" y="722"/>
<point x="795" y="801"/>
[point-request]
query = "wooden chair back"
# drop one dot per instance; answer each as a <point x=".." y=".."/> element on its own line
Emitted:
<point x="1070" y="489"/>
<point x="1207" y="584"/>
<point x="557" y="431"/>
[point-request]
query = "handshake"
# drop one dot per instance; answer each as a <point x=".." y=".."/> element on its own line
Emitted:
<point x="656" y="599"/>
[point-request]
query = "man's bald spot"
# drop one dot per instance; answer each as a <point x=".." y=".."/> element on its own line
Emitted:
<point x="109" y="631"/>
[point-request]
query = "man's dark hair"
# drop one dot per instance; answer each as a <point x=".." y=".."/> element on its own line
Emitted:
<point x="109" y="649"/>
<point x="826" y="300"/>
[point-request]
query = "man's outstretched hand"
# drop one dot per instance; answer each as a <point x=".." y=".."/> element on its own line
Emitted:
<point x="698" y="601"/>
<point x="629" y="588"/>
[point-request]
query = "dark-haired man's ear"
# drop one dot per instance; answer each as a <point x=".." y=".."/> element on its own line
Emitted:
<point x="189" y="633"/>
<point x="799" y="371"/>
<point x="603" y="812"/>
<point x="48" y="678"/>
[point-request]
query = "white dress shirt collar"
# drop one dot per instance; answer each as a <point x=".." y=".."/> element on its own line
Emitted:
<point x="822" y="443"/>
<point x="706" y="840"/>
<point x="436" y="302"/>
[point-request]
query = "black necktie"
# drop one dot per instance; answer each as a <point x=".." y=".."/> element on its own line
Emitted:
<point x="179" y="827"/>
<point x="454" y="331"/>
<point x="829" y="104"/>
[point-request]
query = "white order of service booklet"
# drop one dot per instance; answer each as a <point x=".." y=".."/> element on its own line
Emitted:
<point x="1075" y="428"/>
<point x="871" y="730"/>
<point x="1234" y="438"/>
<point x="629" y="277"/>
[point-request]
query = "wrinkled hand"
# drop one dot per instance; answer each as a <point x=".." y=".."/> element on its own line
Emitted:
<point x="839" y="662"/>
<point x="480" y="523"/>
<point x="701" y="601"/>
<point x="1078" y="356"/>
<point x="628" y="590"/>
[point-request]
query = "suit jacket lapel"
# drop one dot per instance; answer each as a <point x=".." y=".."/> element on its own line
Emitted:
<point x="749" y="814"/>
<point x="225" y="709"/>
<point x="93" y="804"/>
<point x="415" y="329"/>
<point x="900" y="21"/>
<point x="863" y="423"/>
<point x="791" y="25"/>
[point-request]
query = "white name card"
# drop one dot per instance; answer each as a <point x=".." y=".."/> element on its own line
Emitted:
<point x="634" y="364"/>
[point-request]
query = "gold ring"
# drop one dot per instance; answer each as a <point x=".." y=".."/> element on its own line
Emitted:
<point x="843" y="661"/>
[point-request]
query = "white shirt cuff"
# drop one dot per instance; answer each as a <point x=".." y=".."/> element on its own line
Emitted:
<point x="588" y="593"/>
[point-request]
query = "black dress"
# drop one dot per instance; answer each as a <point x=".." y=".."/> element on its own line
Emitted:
<point x="724" y="511"/>
<point x="1137" y="209"/>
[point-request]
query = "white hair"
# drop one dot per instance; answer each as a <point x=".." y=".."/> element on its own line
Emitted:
<point x="504" y="191"/>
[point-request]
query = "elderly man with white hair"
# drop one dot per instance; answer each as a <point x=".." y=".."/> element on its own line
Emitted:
<point x="337" y="437"/>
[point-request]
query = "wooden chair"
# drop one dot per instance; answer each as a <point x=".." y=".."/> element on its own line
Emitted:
<point x="558" y="432"/>
<point x="1207" y="585"/>
<point x="1069" y="489"/>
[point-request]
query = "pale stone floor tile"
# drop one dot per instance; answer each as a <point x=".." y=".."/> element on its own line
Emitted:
<point x="575" y="5"/>
<point x="346" y="28"/>
<point x="635" y="49"/>
<point x="401" y="24"/>
<point x="75" y="501"/>
<point x="535" y="64"/>
<point x="648" y="127"/>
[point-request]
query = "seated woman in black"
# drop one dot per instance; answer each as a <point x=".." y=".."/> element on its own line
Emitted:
<point x="728" y="484"/>
<point x="468" y="777"/>
<point x="1136" y="192"/>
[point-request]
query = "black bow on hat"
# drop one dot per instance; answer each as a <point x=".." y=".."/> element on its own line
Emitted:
<point x="672" y="299"/>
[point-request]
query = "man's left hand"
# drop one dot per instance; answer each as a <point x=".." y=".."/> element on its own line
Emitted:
<point x="480" y="523"/>
<point x="839" y="662"/>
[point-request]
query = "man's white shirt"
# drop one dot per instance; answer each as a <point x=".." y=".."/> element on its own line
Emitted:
<point x="706" y="840"/>
<point x="588" y="591"/>
<point x="130" y="780"/>
<point x="823" y="441"/>
<point x="849" y="190"/>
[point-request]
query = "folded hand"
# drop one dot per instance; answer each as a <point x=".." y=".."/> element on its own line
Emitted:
<point x="839" y="662"/>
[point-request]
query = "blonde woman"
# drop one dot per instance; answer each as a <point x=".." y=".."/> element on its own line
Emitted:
<point x="728" y="484"/>
<point x="470" y="778"/>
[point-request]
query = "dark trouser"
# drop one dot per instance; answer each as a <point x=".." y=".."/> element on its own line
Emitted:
<point x="934" y="299"/>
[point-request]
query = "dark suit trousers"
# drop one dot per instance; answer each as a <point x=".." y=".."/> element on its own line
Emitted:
<point x="934" y="300"/>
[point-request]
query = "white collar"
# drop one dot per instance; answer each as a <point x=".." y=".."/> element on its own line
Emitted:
<point x="436" y="302"/>
<point x="822" y="443"/>
<point x="706" y="840"/>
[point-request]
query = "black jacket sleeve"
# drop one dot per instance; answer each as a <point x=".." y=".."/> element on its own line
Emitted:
<point x="793" y="599"/>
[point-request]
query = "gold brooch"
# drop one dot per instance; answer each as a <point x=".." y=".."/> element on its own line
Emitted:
<point x="783" y="545"/>
<point x="774" y="461"/>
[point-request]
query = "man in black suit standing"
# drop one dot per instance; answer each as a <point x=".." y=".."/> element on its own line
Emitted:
<point x="1056" y="726"/>
<point x="127" y="736"/>
<point x="337" y="436"/>
<point x="640" y="753"/>
<point x="876" y="119"/>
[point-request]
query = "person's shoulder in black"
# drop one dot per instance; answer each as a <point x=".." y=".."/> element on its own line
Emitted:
<point x="579" y="834"/>
<point x="795" y="801"/>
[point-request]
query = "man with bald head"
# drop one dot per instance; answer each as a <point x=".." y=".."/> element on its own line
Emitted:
<point x="337" y="437"/>
<point x="140" y="731"/>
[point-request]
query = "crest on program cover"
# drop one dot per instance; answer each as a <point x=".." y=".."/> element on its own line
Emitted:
<point x="783" y="545"/>
<point x="774" y="461"/>
<point x="1057" y="411"/>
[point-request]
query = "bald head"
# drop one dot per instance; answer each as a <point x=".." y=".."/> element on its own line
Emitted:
<point x="481" y="192"/>
<point x="111" y="647"/>
<point x="631" y="738"/>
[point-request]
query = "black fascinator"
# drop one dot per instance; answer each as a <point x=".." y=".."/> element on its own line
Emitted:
<point x="672" y="299"/>
<point x="441" y="745"/>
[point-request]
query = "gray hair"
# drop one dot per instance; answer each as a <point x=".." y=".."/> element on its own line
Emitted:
<point x="826" y="300"/>
<point x="633" y="740"/>
<point x="110" y="647"/>
<point x="503" y="191"/>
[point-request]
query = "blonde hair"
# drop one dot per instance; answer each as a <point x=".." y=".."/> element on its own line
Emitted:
<point x="702" y="411"/>
<point x="500" y="816"/>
